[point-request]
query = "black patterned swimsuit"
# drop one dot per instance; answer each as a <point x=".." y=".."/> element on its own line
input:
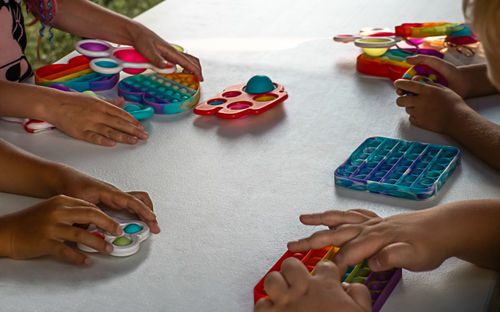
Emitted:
<point x="13" y="63"/>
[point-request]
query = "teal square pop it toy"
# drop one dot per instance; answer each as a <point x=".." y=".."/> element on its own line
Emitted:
<point x="398" y="168"/>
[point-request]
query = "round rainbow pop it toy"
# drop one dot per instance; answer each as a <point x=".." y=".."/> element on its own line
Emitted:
<point x="134" y="233"/>
<point x="258" y="95"/>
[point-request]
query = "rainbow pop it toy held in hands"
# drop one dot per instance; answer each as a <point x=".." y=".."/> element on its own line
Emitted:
<point x="258" y="95"/>
<point x="134" y="233"/>
<point x="427" y="73"/>
<point x="398" y="168"/>
<point x="380" y="284"/>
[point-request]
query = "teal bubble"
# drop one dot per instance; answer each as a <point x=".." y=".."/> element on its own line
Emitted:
<point x="132" y="228"/>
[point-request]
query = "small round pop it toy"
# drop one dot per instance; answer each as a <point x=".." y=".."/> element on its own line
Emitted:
<point x="134" y="233"/>
<point x="258" y="95"/>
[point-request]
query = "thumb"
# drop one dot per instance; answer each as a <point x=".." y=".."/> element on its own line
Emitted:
<point x="397" y="255"/>
<point x="359" y="294"/>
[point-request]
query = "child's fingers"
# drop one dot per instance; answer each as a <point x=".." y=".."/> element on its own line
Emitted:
<point x="121" y="200"/>
<point x="96" y="138"/>
<point x="406" y="101"/>
<point x="327" y="270"/>
<point x="410" y="110"/>
<point x="176" y="57"/>
<point x="120" y="113"/>
<point x="396" y="255"/>
<point x="144" y="197"/>
<point x="333" y="218"/>
<point x="412" y="86"/>
<point x="296" y="274"/>
<point x="438" y="64"/>
<point x="275" y="285"/>
<point x="68" y="254"/>
<point x="324" y="238"/>
<point x="118" y="123"/>
<point x="78" y="235"/>
<point x="360" y="294"/>
<point x="263" y="305"/>
<point x="115" y="135"/>
<point x="361" y="247"/>
<point x="86" y="215"/>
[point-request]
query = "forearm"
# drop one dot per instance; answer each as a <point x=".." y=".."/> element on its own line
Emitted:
<point x="478" y="82"/>
<point x="477" y="134"/>
<point x="475" y="228"/>
<point x="26" y="174"/>
<point x="87" y="19"/>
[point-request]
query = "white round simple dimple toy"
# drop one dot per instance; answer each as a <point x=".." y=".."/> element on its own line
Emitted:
<point x="107" y="59"/>
<point x="134" y="233"/>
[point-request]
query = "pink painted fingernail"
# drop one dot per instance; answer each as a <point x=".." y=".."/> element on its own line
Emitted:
<point x="109" y="248"/>
<point x="87" y="261"/>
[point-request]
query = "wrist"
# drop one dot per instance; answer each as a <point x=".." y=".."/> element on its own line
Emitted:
<point x="134" y="31"/>
<point x="457" y="117"/>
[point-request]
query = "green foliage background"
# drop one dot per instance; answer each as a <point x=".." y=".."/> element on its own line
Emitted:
<point x="63" y="43"/>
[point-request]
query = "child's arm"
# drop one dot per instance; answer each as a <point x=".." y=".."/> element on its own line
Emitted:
<point x="42" y="229"/>
<point x="26" y="174"/>
<point x="295" y="289"/>
<point x="417" y="241"/>
<point x="79" y="115"/>
<point x="440" y="109"/>
<point x="86" y="19"/>
<point x="467" y="81"/>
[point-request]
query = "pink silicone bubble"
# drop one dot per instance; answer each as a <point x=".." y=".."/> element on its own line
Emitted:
<point x="131" y="56"/>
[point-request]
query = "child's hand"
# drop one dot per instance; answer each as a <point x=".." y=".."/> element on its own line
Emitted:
<point x="79" y="185"/>
<point x="158" y="51"/>
<point x="42" y="229"/>
<point x="94" y="120"/>
<point x="416" y="241"/>
<point x="457" y="79"/>
<point x="294" y="289"/>
<point x="433" y="106"/>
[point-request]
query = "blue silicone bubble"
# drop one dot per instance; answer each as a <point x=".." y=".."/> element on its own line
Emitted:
<point x="259" y="84"/>
<point x="398" y="168"/>
<point x="132" y="228"/>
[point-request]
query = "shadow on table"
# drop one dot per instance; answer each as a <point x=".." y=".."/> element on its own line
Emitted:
<point x="235" y="128"/>
<point x="48" y="270"/>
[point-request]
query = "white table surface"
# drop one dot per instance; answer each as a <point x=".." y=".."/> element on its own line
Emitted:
<point x="228" y="193"/>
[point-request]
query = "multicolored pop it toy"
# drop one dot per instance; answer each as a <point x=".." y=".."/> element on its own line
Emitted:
<point x="134" y="233"/>
<point x="427" y="73"/>
<point x="107" y="59"/>
<point x="76" y="75"/>
<point x="380" y="284"/>
<point x="166" y="94"/>
<point x="258" y="95"/>
<point x="398" y="168"/>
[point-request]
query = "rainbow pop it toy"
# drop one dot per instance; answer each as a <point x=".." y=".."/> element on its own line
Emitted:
<point x="258" y="95"/>
<point x="398" y="168"/>
<point x="380" y="284"/>
<point x="166" y="94"/>
<point x="76" y="75"/>
<point x="134" y="233"/>
<point x="427" y="73"/>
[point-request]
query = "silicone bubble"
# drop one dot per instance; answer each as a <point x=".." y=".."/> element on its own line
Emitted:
<point x="259" y="84"/>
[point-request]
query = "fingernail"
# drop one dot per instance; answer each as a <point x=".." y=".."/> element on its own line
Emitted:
<point x="109" y="248"/>
<point x="119" y="230"/>
<point x="144" y="135"/>
<point x="164" y="63"/>
<point x="132" y="139"/>
<point x="87" y="261"/>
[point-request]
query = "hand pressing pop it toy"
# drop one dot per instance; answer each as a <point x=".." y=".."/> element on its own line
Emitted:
<point x="258" y="95"/>
<point x="107" y="59"/>
<point x="166" y="94"/>
<point x="380" y="284"/>
<point x="134" y="233"/>
<point x="398" y="168"/>
<point x="427" y="73"/>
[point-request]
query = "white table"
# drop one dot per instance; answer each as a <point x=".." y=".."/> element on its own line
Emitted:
<point x="228" y="193"/>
